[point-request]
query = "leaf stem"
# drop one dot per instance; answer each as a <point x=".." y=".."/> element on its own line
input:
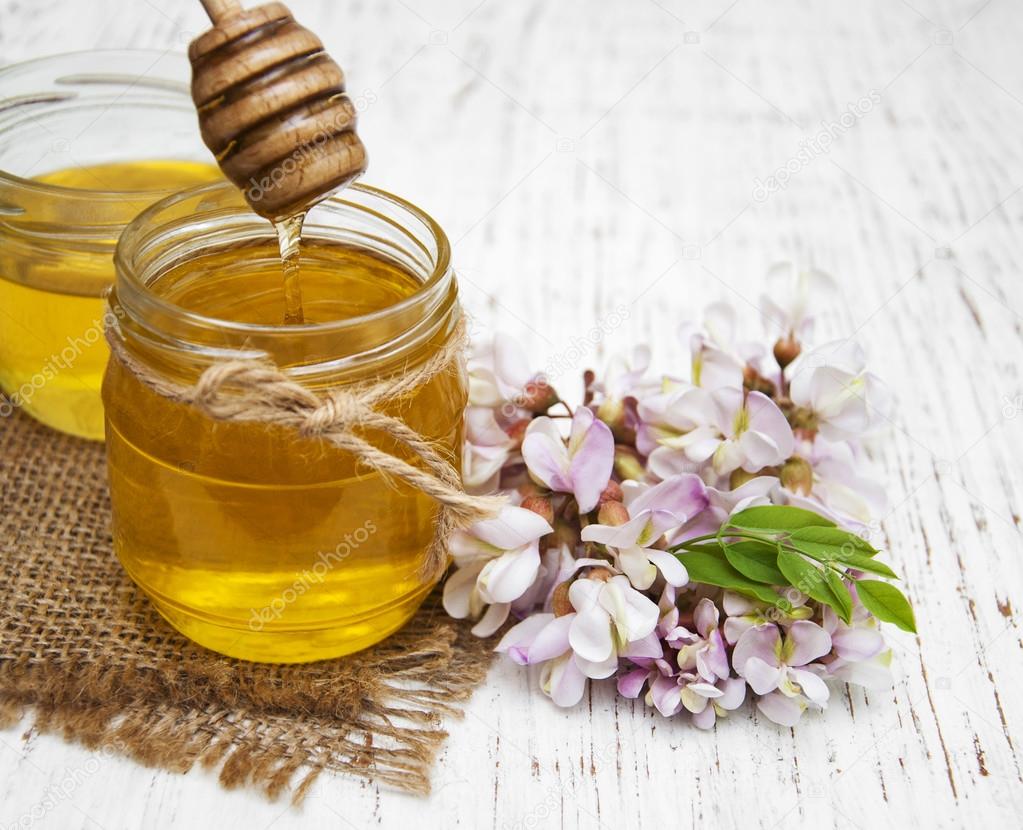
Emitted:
<point x="697" y="541"/>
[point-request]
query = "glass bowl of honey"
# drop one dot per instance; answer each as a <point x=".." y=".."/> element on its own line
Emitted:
<point x="252" y="539"/>
<point x="87" y="141"/>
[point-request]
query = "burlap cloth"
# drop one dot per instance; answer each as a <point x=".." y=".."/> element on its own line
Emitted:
<point x="83" y="650"/>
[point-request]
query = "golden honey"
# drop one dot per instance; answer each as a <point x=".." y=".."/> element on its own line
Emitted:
<point x="87" y="141"/>
<point x="252" y="540"/>
<point x="52" y="352"/>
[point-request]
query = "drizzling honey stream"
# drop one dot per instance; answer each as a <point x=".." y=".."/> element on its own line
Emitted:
<point x="273" y="110"/>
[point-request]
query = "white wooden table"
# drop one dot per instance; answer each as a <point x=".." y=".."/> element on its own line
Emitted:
<point x="584" y="155"/>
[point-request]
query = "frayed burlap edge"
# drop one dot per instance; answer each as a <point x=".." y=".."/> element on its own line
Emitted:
<point x="85" y="656"/>
<point x="394" y="738"/>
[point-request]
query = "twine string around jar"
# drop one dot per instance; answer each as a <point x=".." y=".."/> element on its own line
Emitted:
<point x="256" y="391"/>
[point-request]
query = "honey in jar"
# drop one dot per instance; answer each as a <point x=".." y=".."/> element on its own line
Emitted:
<point x="52" y="351"/>
<point x="251" y="539"/>
<point x="87" y="141"/>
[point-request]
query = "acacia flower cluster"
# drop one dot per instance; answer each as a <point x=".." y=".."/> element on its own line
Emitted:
<point x="701" y="538"/>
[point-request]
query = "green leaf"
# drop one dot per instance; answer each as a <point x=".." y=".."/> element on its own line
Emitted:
<point x="862" y="562"/>
<point x="756" y="560"/>
<point x="829" y="544"/>
<point x="775" y="517"/>
<point x="711" y="568"/>
<point x="841" y="592"/>
<point x="807" y="578"/>
<point x="887" y="603"/>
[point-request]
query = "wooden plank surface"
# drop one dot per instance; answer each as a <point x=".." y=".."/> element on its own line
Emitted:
<point x="590" y="155"/>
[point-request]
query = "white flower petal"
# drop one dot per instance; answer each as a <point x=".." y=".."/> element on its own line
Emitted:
<point x="508" y="577"/>
<point x="811" y="685"/>
<point x="637" y="567"/>
<point x="590" y="633"/>
<point x="673" y="571"/>
<point x="458" y="591"/>
<point x="492" y="620"/>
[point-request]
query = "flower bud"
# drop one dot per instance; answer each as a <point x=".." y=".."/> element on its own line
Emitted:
<point x="565" y="533"/>
<point x="541" y="505"/>
<point x="588" y="378"/>
<point x="797" y="475"/>
<point x="517" y="430"/>
<point x="739" y="477"/>
<point x="613" y="492"/>
<point x="539" y="395"/>
<point x="786" y="350"/>
<point x="756" y="382"/>
<point x="612" y="412"/>
<point x="560" y="601"/>
<point x="627" y="463"/>
<point x="612" y="513"/>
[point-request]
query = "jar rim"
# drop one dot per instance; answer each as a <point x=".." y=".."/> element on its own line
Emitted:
<point x="131" y="289"/>
<point x="19" y="183"/>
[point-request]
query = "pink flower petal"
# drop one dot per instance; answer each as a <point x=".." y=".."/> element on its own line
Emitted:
<point x="805" y="642"/>
<point x="784" y="711"/>
<point x="563" y="681"/>
<point x="713" y="660"/>
<point x="683" y="496"/>
<point x="648" y="647"/>
<point x="552" y="641"/>
<point x="735" y="627"/>
<point x="519" y="638"/>
<point x="857" y="643"/>
<point x="705" y="719"/>
<point x="544" y="452"/>
<point x="762" y="677"/>
<point x="666" y="695"/>
<point x="591" y="449"/>
<point x="734" y="693"/>
<point x="705" y="616"/>
<point x="761" y="641"/>
<point x="631" y="683"/>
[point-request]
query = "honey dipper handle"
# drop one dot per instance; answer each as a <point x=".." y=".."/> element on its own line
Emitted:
<point x="220" y="9"/>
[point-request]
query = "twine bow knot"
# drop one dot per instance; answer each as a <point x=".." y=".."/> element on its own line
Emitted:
<point x="257" y="391"/>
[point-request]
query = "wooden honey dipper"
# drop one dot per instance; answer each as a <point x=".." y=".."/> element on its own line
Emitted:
<point x="272" y="108"/>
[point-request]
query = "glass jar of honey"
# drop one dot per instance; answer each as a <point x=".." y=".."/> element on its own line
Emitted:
<point x="252" y="539"/>
<point x="87" y="140"/>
